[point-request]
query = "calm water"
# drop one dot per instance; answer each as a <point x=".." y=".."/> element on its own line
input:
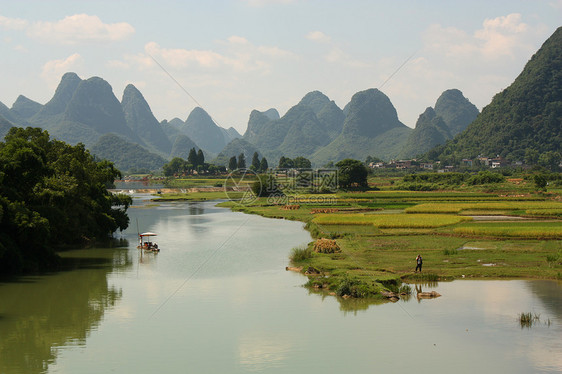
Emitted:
<point x="218" y="300"/>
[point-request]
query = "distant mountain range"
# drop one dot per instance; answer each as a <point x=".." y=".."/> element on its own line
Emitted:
<point x="526" y="115"/>
<point x="452" y="114"/>
<point x="125" y="132"/>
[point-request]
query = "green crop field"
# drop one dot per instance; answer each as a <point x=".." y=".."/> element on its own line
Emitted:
<point x="390" y="220"/>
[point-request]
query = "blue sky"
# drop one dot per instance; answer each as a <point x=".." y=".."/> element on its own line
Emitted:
<point x="239" y="55"/>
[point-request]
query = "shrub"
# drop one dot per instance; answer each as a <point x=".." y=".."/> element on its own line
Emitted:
<point x="355" y="288"/>
<point x="266" y="185"/>
<point x="486" y="177"/>
<point x="300" y="253"/>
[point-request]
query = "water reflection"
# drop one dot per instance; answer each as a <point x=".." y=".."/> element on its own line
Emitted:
<point x="38" y="314"/>
<point x="550" y="293"/>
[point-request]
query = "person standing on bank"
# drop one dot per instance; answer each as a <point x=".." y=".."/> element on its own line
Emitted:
<point x="419" y="263"/>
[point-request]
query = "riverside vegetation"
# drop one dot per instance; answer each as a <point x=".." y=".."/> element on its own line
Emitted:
<point x="52" y="195"/>
<point x="478" y="231"/>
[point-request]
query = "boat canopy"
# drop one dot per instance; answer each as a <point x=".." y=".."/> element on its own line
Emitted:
<point x="147" y="234"/>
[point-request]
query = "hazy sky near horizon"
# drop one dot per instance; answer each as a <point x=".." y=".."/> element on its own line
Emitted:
<point x="233" y="56"/>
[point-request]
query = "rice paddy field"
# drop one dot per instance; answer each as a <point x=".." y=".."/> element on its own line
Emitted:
<point x="460" y="234"/>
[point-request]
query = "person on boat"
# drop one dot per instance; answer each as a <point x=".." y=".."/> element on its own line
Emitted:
<point x="419" y="263"/>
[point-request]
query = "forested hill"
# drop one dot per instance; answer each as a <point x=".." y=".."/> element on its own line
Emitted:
<point x="523" y="120"/>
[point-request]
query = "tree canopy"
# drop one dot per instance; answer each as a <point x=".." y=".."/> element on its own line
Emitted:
<point x="52" y="194"/>
<point x="351" y="173"/>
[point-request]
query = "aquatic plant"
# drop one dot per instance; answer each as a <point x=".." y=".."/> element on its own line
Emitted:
<point x="405" y="289"/>
<point x="528" y="319"/>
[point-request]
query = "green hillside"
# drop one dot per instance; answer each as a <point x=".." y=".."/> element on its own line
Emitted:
<point x="430" y="131"/>
<point x="526" y="116"/>
<point x="125" y="155"/>
<point x="371" y="128"/>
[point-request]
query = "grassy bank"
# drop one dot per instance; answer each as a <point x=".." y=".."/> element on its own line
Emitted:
<point x="378" y="235"/>
<point x="378" y="247"/>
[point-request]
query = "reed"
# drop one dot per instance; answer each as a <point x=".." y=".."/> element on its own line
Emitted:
<point x="528" y="319"/>
<point x="301" y="253"/>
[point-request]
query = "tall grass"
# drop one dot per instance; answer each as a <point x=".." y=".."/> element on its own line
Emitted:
<point x="300" y="253"/>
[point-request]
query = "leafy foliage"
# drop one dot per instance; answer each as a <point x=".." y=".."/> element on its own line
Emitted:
<point x="351" y="173"/>
<point x="298" y="162"/>
<point x="52" y="194"/>
<point x="266" y="185"/>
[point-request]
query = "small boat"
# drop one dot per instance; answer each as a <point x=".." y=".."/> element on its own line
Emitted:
<point x="146" y="244"/>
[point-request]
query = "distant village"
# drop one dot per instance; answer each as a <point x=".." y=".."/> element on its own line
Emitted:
<point x="414" y="164"/>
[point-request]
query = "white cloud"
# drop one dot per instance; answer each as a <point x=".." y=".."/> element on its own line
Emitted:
<point x="53" y="70"/>
<point x="505" y="36"/>
<point x="80" y="28"/>
<point x="181" y="58"/>
<point x="557" y="4"/>
<point x="13" y="23"/>
<point x="318" y="36"/>
<point x="237" y="40"/>
<point x="236" y="53"/>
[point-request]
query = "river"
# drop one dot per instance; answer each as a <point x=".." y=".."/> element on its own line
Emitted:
<point x="217" y="299"/>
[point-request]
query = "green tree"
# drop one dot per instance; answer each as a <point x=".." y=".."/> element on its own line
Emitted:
<point x="176" y="166"/>
<point x="351" y="173"/>
<point x="266" y="185"/>
<point x="52" y="194"/>
<point x="263" y="165"/>
<point x="550" y="160"/>
<point x="286" y="163"/>
<point x="255" y="162"/>
<point x="302" y="163"/>
<point x="531" y="156"/>
<point x="200" y="158"/>
<point x="540" y="182"/>
<point x="192" y="157"/>
<point x="241" y="161"/>
<point x="232" y="164"/>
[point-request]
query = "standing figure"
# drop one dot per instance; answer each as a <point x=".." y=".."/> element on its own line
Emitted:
<point x="419" y="263"/>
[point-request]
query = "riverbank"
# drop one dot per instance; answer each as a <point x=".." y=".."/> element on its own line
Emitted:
<point x="380" y="234"/>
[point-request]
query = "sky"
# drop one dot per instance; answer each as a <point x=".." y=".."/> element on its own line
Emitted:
<point x="233" y="56"/>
